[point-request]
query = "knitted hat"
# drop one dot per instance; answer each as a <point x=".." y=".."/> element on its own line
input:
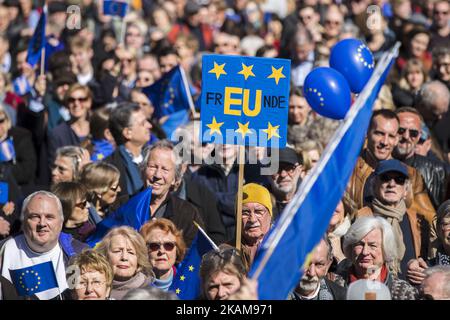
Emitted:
<point x="253" y="192"/>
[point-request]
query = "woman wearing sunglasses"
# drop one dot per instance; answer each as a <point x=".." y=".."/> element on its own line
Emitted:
<point x="75" y="209"/>
<point x="166" y="247"/>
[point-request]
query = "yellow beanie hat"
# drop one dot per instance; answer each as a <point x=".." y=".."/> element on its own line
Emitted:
<point x="253" y="192"/>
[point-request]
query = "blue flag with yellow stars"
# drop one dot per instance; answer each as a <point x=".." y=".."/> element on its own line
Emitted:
<point x="169" y="95"/>
<point x="186" y="283"/>
<point x="245" y="100"/>
<point x="7" y="150"/>
<point x="115" y="8"/>
<point x="102" y="149"/>
<point x="38" y="41"/>
<point x="38" y="278"/>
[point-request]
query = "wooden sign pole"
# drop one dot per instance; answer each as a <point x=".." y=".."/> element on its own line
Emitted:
<point x="239" y="199"/>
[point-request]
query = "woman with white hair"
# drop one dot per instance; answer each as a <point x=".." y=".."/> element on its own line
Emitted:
<point x="371" y="247"/>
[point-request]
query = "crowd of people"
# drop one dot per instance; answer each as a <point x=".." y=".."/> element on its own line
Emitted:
<point x="86" y="139"/>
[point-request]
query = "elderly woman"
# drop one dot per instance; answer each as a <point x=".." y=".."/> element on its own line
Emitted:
<point x="166" y="247"/>
<point x="417" y="267"/>
<point x="126" y="252"/>
<point x="371" y="247"/>
<point x="78" y="100"/>
<point x="102" y="182"/>
<point x="68" y="163"/>
<point x="77" y="221"/>
<point x="222" y="273"/>
<point x="94" y="276"/>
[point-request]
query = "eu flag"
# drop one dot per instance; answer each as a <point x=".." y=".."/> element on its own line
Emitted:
<point x="306" y="217"/>
<point x="174" y="121"/>
<point x="7" y="151"/>
<point x="37" y="42"/>
<point x="187" y="280"/>
<point x="169" y="94"/>
<point x="134" y="213"/>
<point x="102" y="149"/>
<point x="115" y="8"/>
<point x="31" y="280"/>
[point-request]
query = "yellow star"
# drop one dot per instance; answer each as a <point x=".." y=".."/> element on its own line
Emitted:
<point x="243" y="129"/>
<point x="276" y="74"/>
<point x="177" y="291"/>
<point x="272" y="131"/>
<point x="182" y="278"/>
<point x="218" y="70"/>
<point x="214" y="126"/>
<point x="191" y="268"/>
<point x="247" y="71"/>
<point x="100" y="156"/>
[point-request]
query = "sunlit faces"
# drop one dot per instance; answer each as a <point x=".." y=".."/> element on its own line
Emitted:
<point x="221" y="285"/>
<point x="167" y="63"/>
<point x="442" y="67"/>
<point x="139" y="129"/>
<point x="143" y="101"/>
<point x="92" y="286"/>
<point x="160" y="171"/>
<point x="82" y="57"/>
<point x="382" y="137"/>
<point x="390" y="187"/>
<point x="80" y="212"/>
<point x="415" y="78"/>
<point x="42" y="223"/>
<point x="79" y="104"/>
<point x="122" y="257"/>
<point x="255" y="221"/>
<point x="110" y="196"/>
<point x="62" y="169"/>
<point x="162" y="251"/>
<point x="419" y="44"/>
<point x="409" y="132"/>
<point x="368" y="253"/>
<point x="299" y="109"/>
<point x="286" y="179"/>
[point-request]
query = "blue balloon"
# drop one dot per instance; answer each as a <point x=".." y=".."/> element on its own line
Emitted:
<point x="353" y="59"/>
<point x="327" y="92"/>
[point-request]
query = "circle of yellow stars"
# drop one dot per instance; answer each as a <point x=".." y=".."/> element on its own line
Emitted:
<point x="183" y="277"/>
<point x="360" y="57"/>
<point x="319" y="94"/>
<point x="23" y="285"/>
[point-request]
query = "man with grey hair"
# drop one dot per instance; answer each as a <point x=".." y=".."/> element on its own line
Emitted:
<point x="314" y="284"/>
<point x="42" y="241"/>
<point x="433" y="102"/>
<point x="161" y="170"/>
<point x="436" y="285"/>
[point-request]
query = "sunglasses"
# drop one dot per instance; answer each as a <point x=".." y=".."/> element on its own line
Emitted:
<point x="331" y="22"/>
<point x="2" y="120"/>
<point x="413" y="133"/>
<point x="400" y="180"/>
<point x="155" y="246"/>
<point x="82" y="99"/>
<point x="81" y="205"/>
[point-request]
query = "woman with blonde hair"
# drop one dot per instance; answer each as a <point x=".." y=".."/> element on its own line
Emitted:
<point x="102" y="182"/>
<point x="126" y="252"/>
<point x="413" y="76"/>
<point x="92" y="275"/>
<point x="166" y="247"/>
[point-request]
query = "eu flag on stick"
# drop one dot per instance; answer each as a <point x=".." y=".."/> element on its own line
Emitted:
<point x="31" y="280"/>
<point x="170" y="93"/>
<point x="115" y="8"/>
<point x="134" y="213"/>
<point x="306" y="218"/>
<point x="37" y="42"/>
<point x="187" y="281"/>
<point x="7" y="151"/>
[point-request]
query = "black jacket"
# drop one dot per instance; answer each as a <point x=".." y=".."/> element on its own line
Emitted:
<point x="117" y="160"/>
<point x="434" y="176"/>
<point x="24" y="168"/>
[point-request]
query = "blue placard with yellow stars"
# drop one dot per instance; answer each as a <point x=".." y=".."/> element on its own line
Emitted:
<point x="34" y="279"/>
<point x="245" y="100"/>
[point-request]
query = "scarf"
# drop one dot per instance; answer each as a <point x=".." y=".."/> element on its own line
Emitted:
<point x="133" y="177"/>
<point x="120" y="288"/>
<point x="442" y="259"/>
<point x="163" y="284"/>
<point x="18" y="255"/>
<point x="394" y="216"/>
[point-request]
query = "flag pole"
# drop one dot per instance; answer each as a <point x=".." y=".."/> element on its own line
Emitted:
<point x="123" y="25"/>
<point x="42" y="70"/>
<point x="206" y="236"/>
<point x="239" y="199"/>
<point x="188" y="91"/>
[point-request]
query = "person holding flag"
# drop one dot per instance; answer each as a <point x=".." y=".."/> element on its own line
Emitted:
<point x="35" y="261"/>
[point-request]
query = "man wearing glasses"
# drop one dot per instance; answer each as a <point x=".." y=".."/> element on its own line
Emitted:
<point x="390" y="187"/>
<point x="433" y="172"/>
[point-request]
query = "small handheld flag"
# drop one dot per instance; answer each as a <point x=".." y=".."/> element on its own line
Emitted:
<point x="7" y="151"/>
<point x="31" y="280"/>
<point x="37" y="42"/>
<point x="115" y="8"/>
<point x="187" y="281"/>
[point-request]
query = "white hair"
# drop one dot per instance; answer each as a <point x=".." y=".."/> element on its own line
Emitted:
<point x="362" y="226"/>
<point x="445" y="271"/>
<point x="43" y="193"/>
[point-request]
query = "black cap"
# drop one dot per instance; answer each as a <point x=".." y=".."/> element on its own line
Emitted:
<point x="56" y="6"/>
<point x="288" y="155"/>
<point x="391" y="165"/>
<point x="11" y="3"/>
<point x="191" y="8"/>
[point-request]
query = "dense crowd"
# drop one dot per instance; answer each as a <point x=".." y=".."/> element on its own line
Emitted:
<point x="79" y="138"/>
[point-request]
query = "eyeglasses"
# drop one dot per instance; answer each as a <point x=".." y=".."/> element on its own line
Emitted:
<point x="333" y="22"/>
<point x="114" y="188"/>
<point x="95" y="284"/>
<point x="400" y="180"/>
<point x="289" y="168"/>
<point x="259" y="213"/>
<point x="155" y="246"/>
<point x="413" y="133"/>
<point x="81" y="205"/>
<point x="81" y="99"/>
